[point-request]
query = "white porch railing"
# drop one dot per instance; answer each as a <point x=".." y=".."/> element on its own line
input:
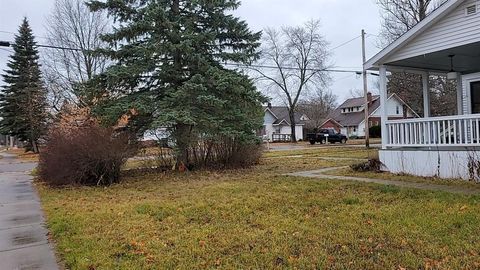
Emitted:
<point x="458" y="130"/>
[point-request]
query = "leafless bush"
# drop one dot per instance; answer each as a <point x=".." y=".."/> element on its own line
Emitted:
<point x="224" y="153"/>
<point x="90" y="155"/>
<point x="372" y="165"/>
<point x="156" y="157"/>
<point x="473" y="168"/>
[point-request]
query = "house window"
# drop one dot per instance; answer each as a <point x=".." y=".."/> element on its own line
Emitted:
<point x="398" y="110"/>
<point x="277" y="129"/>
<point x="354" y="129"/>
<point x="376" y="123"/>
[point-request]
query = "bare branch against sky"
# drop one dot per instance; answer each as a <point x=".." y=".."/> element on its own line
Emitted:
<point x="342" y="20"/>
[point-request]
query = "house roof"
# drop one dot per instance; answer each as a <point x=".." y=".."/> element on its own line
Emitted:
<point x="355" y="102"/>
<point x="281" y="115"/>
<point x="353" y="118"/>
<point x="436" y="15"/>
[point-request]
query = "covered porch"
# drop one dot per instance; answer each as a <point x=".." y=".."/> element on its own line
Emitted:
<point x="447" y="43"/>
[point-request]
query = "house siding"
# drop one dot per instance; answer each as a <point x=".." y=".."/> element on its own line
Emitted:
<point x="456" y="29"/>
<point x="331" y="124"/>
<point x="269" y="128"/>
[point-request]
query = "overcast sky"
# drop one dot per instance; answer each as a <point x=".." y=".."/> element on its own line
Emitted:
<point x="342" y="20"/>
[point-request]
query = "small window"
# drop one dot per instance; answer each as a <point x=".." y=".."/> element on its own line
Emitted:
<point x="471" y="10"/>
<point x="398" y="110"/>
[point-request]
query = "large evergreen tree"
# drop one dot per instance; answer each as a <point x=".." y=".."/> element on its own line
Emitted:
<point x="169" y="56"/>
<point x="23" y="99"/>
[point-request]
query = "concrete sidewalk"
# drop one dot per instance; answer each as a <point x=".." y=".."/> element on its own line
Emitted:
<point x="23" y="237"/>
<point x="322" y="174"/>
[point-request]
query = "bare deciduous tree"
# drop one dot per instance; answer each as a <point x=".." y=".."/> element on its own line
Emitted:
<point x="399" y="16"/>
<point x="75" y="28"/>
<point x="299" y="58"/>
<point x="317" y="107"/>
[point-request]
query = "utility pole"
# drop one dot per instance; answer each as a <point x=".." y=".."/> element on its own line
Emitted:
<point x="365" y="92"/>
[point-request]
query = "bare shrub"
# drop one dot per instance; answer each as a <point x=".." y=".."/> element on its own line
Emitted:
<point x="156" y="156"/>
<point x="372" y="165"/>
<point x="224" y="153"/>
<point x="88" y="155"/>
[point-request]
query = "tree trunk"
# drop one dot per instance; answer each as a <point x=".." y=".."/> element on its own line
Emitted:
<point x="292" y="126"/>
<point x="35" y="147"/>
<point x="183" y="143"/>
<point x="182" y="130"/>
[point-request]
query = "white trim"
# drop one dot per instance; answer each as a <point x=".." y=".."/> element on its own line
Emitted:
<point x="379" y="58"/>
<point x="331" y="120"/>
<point x="459" y="94"/>
<point x="408" y="106"/>
<point x="401" y="101"/>
<point x="426" y="95"/>
<point x="268" y="109"/>
<point x="383" y="105"/>
<point x="436" y="118"/>
<point x="445" y="131"/>
<point x="467" y="79"/>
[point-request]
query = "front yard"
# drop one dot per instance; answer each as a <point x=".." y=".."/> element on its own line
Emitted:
<point x="260" y="219"/>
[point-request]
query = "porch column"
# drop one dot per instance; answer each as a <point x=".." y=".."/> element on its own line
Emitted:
<point x="459" y="94"/>
<point x="426" y="95"/>
<point x="383" y="105"/>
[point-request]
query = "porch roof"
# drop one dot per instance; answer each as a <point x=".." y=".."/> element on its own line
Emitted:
<point x="427" y="46"/>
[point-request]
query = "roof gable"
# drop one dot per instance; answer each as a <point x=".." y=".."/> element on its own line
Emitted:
<point x="281" y="114"/>
<point x="401" y="101"/>
<point x="353" y="118"/>
<point x="356" y="102"/>
<point x="396" y="50"/>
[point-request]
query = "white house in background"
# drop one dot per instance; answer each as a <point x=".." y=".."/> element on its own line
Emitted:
<point x="447" y="42"/>
<point x="349" y="118"/>
<point x="277" y="127"/>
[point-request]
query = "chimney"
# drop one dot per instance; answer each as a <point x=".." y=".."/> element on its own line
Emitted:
<point x="369" y="98"/>
<point x="269" y="105"/>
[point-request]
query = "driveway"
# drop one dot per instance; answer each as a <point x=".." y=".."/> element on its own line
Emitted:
<point x="23" y="237"/>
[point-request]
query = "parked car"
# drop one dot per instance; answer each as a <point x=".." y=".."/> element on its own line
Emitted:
<point x="326" y="135"/>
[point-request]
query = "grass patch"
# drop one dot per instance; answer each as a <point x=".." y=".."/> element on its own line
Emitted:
<point x="329" y="152"/>
<point x="260" y="219"/>
<point x="24" y="156"/>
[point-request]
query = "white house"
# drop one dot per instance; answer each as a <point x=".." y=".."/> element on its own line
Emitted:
<point x="276" y="124"/>
<point x="349" y="118"/>
<point x="447" y="42"/>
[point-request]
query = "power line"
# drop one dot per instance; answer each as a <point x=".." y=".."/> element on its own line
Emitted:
<point x="7" y="50"/>
<point x="8" y="32"/>
<point x="337" y="70"/>
<point x="345" y="43"/>
<point x="8" y="44"/>
<point x="333" y="70"/>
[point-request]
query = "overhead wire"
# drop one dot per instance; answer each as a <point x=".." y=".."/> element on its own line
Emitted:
<point x="333" y="69"/>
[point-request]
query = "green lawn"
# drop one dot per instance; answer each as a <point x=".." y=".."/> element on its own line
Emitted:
<point x="260" y="219"/>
